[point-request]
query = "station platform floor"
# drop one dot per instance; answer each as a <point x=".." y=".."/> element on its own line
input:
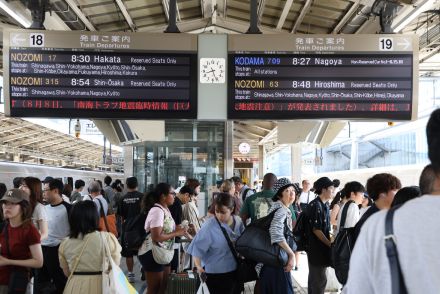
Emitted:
<point x="299" y="278"/>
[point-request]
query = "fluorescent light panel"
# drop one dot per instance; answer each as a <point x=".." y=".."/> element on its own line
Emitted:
<point x="10" y="11"/>
<point x="424" y="5"/>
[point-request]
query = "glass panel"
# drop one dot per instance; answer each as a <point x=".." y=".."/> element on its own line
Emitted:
<point x="191" y="150"/>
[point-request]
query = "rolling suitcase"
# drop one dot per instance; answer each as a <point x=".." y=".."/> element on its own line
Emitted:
<point x="183" y="283"/>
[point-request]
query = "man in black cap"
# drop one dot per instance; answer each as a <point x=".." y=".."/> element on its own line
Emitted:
<point x="319" y="242"/>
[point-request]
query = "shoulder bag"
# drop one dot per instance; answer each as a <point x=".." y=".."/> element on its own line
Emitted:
<point x="398" y="285"/>
<point x="245" y="268"/>
<point x="161" y="255"/>
<point x="255" y="243"/>
<point x="113" y="278"/>
<point x="77" y="261"/>
<point x="342" y="247"/>
<point x="107" y="222"/>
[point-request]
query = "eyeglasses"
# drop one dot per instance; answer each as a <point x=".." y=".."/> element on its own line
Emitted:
<point x="173" y="193"/>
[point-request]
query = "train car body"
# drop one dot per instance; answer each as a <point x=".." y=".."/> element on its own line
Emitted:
<point x="10" y="170"/>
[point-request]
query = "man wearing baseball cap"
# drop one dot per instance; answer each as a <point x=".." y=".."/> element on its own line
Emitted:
<point x="319" y="242"/>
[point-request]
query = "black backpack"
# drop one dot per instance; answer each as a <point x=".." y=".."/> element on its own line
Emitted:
<point x="243" y="197"/>
<point x="301" y="232"/>
<point x="342" y="247"/>
<point x="133" y="232"/>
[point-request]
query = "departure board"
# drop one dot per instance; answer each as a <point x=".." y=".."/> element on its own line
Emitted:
<point x="322" y="77"/>
<point x="100" y="75"/>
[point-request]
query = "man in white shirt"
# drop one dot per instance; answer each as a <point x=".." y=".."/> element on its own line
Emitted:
<point x="352" y="191"/>
<point x="306" y="195"/>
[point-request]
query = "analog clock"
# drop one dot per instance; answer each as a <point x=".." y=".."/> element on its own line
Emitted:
<point x="244" y="148"/>
<point x="212" y="70"/>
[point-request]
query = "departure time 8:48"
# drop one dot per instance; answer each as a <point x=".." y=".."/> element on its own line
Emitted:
<point x="301" y="84"/>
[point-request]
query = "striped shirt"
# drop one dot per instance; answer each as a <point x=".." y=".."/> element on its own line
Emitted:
<point x="276" y="229"/>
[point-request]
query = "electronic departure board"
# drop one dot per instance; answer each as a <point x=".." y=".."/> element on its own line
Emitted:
<point x="322" y="76"/>
<point x="100" y="75"/>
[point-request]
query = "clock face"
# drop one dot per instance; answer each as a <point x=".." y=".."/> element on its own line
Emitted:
<point x="212" y="70"/>
<point x="244" y="148"/>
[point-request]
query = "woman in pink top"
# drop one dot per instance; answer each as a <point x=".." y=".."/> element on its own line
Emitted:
<point x="161" y="226"/>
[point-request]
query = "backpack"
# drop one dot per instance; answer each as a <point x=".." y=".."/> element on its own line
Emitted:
<point x="301" y="232"/>
<point x="243" y="197"/>
<point x="342" y="247"/>
<point x="133" y="232"/>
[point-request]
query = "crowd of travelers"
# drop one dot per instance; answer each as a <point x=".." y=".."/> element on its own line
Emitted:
<point x="54" y="236"/>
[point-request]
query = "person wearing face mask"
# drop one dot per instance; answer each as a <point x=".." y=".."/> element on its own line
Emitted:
<point x="210" y="250"/>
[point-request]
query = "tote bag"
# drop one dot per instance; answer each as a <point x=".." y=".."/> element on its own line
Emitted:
<point x="113" y="278"/>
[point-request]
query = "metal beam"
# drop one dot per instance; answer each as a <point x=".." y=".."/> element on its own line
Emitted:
<point x="15" y="127"/>
<point x="346" y="17"/>
<point x="301" y="16"/>
<point x="18" y="136"/>
<point x="284" y="14"/>
<point x="80" y="14"/>
<point x="261" y="7"/>
<point x="246" y="126"/>
<point x="269" y="137"/>
<point x="246" y="132"/>
<point x="127" y="16"/>
<point x="166" y="8"/>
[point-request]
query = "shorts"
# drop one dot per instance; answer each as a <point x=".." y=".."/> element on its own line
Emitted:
<point x="128" y="253"/>
<point x="149" y="264"/>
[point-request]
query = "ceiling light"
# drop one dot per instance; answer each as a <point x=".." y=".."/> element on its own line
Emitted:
<point x="423" y="6"/>
<point x="18" y="17"/>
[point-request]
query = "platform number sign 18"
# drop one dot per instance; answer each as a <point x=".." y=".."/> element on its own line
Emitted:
<point x="36" y="40"/>
<point x="386" y="44"/>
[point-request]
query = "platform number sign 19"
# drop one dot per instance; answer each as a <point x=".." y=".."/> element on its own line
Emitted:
<point x="36" y="40"/>
<point x="386" y="44"/>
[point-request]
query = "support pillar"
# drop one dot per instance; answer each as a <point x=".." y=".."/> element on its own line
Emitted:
<point x="296" y="162"/>
<point x="229" y="150"/>
<point x="354" y="158"/>
<point x="261" y="161"/>
<point x="128" y="161"/>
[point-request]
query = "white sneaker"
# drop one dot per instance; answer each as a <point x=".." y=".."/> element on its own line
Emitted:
<point x="130" y="277"/>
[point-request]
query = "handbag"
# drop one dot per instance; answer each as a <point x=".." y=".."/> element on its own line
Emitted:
<point x="113" y="278"/>
<point x="203" y="289"/>
<point x="245" y="268"/>
<point x="19" y="277"/>
<point x="161" y="255"/>
<point x="255" y="243"/>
